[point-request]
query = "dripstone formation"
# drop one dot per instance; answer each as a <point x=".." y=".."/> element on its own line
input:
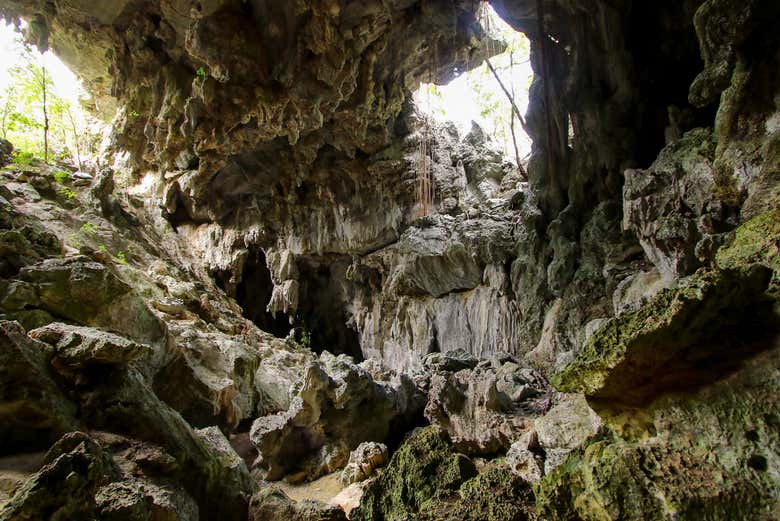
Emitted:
<point x="599" y="342"/>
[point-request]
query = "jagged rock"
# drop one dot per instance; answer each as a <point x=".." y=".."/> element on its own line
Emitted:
<point x="337" y="406"/>
<point x="210" y="376"/>
<point x="229" y="458"/>
<point x="421" y="468"/>
<point x="672" y="206"/>
<point x="24" y="246"/>
<point x="484" y="409"/>
<point x="34" y="411"/>
<point x="133" y="500"/>
<point x="636" y="290"/>
<point x="73" y="471"/>
<point x="83" y="478"/>
<point x="118" y="400"/>
<point x="679" y="461"/>
<point x="524" y="459"/>
<point x="454" y="360"/>
<point x="272" y="504"/>
<point x="567" y="425"/>
<point x="638" y="355"/>
<point x="84" y="348"/>
<point x="427" y="480"/>
<point x="363" y="461"/>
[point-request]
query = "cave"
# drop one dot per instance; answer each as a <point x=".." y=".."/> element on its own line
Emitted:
<point x="322" y="310"/>
<point x="253" y="293"/>
<point x="573" y="339"/>
<point x="320" y="321"/>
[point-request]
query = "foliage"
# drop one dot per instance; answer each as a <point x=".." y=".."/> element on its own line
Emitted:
<point x="478" y="87"/>
<point x="121" y="257"/>
<point x="61" y="176"/>
<point x="67" y="193"/>
<point x="88" y="228"/>
<point x="23" y="121"/>
<point x="75" y="240"/>
<point x="201" y="73"/>
<point x="306" y="339"/>
<point x="23" y="158"/>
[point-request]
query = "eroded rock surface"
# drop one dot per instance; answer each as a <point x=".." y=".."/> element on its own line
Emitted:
<point x="271" y="187"/>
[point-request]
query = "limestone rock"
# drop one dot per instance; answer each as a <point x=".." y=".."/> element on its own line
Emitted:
<point x="484" y="409"/>
<point x="567" y="425"/>
<point x="337" y="406"/>
<point x="104" y="299"/>
<point x="74" y="469"/>
<point x="525" y="464"/>
<point x="363" y="462"/>
<point x="83" y="347"/>
<point x="427" y="480"/>
<point x="672" y="206"/>
<point x="665" y="338"/>
<point x="423" y="466"/>
<point x="138" y="500"/>
<point x="34" y="411"/>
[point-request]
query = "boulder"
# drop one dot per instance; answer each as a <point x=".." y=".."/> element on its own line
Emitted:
<point x="485" y="409"/>
<point x="428" y="480"/>
<point x="363" y="462"/>
<point x="34" y="411"/>
<point x="83" y="348"/>
<point x="93" y="294"/>
<point x="337" y="406"/>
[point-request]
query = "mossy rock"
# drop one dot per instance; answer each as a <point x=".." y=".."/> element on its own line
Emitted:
<point x="756" y="241"/>
<point x="427" y="480"/>
<point x="684" y="337"/>
<point x="613" y="480"/>
<point x="423" y="470"/>
<point x="494" y="495"/>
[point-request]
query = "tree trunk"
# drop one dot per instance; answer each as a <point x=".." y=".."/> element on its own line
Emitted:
<point x="45" y="120"/>
<point x="75" y="137"/>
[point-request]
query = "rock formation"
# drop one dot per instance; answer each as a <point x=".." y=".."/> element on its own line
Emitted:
<point x="259" y="296"/>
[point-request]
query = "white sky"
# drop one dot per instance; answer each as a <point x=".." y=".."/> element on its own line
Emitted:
<point x="66" y="84"/>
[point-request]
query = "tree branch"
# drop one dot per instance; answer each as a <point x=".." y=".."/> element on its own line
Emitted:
<point x="516" y="112"/>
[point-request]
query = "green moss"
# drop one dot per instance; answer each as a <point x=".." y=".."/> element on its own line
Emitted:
<point x="423" y="470"/>
<point x="727" y="189"/>
<point x="756" y="241"/>
<point x="427" y="481"/>
<point x="640" y="354"/>
<point x="494" y="495"/>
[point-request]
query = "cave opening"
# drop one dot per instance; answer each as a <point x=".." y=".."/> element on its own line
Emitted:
<point x="322" y="312"/>
<point x="253" y="293"/>
<point x="487" y="93"/>
<point x="320" y="322"/>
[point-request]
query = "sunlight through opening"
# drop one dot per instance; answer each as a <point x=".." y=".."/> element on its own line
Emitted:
<point x="477" y="96"/>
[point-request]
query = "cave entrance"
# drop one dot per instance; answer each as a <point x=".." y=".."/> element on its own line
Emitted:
<point x="253" y="293"/>
<point x="486" y="96"/>
<point x="322" y="310"/>
<point x="321" y="321"/>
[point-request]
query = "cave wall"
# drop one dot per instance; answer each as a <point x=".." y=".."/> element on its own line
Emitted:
<point x="298" y="140"/>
